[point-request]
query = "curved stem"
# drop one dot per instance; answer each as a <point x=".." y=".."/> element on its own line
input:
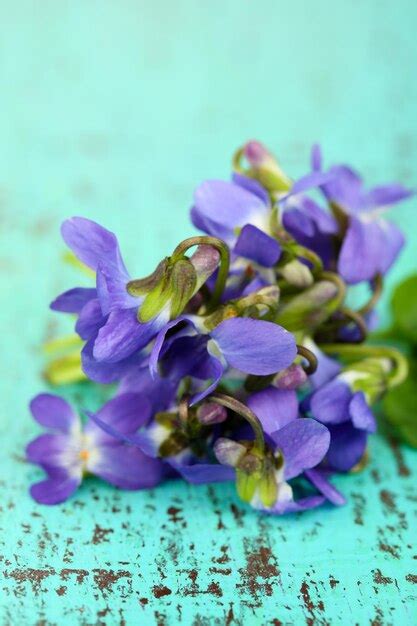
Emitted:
<point x="310" y="357"/>
<point x="234" y="405"/>
<point x="340" y="284"/>
<point x="223" y="272"/>
<point x="376" y="294"/>
<point x="355" y="317"/>
<point x="358" y="351"/>
<point x="236" y="160"/>
<point x="311" y="257"/>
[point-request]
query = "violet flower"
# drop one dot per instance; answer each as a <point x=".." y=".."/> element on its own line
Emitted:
<point x="72" y="450"/>
<point x="297" y="444"/>
<point x="251" y="346"/>
<point x="108" y="316"/>
<point x="349" y="419"/>
<point x="371" y="243"/>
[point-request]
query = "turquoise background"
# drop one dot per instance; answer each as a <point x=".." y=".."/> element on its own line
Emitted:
<point x="115" y="110"/>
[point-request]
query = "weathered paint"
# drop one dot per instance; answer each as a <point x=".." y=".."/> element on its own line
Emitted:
<point x="115" y="110"/>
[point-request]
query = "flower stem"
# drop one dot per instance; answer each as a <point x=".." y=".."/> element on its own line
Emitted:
<point x="311" y="257"/>
<point x="223" y="272"/>
<point x="376" y="294"/>
<point x="309" y="356"/>
<point x="355" y="351"/>
<point x="234" y="405"/>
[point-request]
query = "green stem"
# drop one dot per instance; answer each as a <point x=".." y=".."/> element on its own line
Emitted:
<point x="223" y="272"/>
<point x="359" y="351"/>
<point x="355" y="317"/>
<point x="236" y="160"/>
<point x="310" y="357"/>
<point x="340" y="284"/>
<point x="234" y="405"/>
<point x="312" y="257"/>
<point x="376" y="294"/>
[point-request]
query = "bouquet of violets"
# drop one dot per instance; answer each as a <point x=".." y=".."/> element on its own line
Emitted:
<point x="238" y="357"/>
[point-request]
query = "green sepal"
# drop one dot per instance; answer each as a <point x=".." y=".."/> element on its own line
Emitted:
<point x="268" y="489"/>
<point x="183" y="282"/>
<point x="155" y="300"/>
<point x="246" y="484"/>
<point x="310" y="308"/>
<point x="142" y="286"/>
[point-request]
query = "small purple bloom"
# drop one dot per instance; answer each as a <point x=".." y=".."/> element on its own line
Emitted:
<point x="71" y="450"/>
<point x="349" y="419"/>
<point x="251" y="346"/>
<point x="371" y="243"/>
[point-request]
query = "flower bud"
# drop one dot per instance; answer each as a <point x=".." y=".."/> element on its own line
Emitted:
<point x="228" y="452"/>
<point x="211" y="413"/>
<point x="310" y="308"/>
<point x="291" y="378"/>
<point x="265" y="168"/>
<point x="297" y="274"/>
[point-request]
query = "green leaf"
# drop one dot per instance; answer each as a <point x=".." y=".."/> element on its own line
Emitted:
<point x="404" y="308"/>
<point x="400" y="408"/>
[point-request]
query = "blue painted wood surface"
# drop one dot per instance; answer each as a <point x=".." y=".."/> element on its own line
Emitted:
<point x="116" y="110"/>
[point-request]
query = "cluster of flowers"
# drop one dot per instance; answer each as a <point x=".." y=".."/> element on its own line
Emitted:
<point x="239" y="361"/>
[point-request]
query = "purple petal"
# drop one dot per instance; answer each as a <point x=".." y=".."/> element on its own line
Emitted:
<point x="393" y="241"/>
<point x="295" y="506"/>
<point x="228" y="204"/>
<point x="274" y="407"/>
<point x="362" y="249"/>
<point x="72" y="301"/>
<point x="310" y="181"/>
<point x="316" y="158"/>
<point x="159" y="391"/>
<point x="303" y="442"/>
<point x="252" y="185"/>
<point x="112" y="279"/>
<point x="57" y="488"/>
<point x="126" y="413"/>
<point x="123" y="334"/>
<point x="202" y="473"/>
<point x="53" y="412"/>
<point x="345" y="188"/>
<point x="127" y="467"/>
<point x="159" y="342"/>
<point x="117" y="435"/>
<point x="330" y="403"/>
<point x="327" y="368"/>
<point x="103" y="372"/>
<point x="255" y="346"/>
<point x="347" y="447"/>
<point x="202" y="222"/>
<point x="90" y="242"/>
<point x="361" y="414"/>
<point x="90" y="320"/>
<point x="386" y="195"/>
<point x="215" y="373"/>
<point x="48" y="450"/>
<point x="257" y="246"/>
<point x="319" y="479"/>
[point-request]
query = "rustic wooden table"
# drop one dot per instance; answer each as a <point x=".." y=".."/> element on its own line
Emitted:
<point x="116" y="110"/>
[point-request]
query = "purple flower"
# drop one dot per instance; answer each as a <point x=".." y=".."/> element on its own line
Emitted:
<point x="349" y="419"/>
<point x="71" y="450"/>
<point x="249" y="345"/>
<point x="108" y="315"/>
<point x="371" y="243"/>
<point x="239" y="212"/>
<point x="296" y="445"/>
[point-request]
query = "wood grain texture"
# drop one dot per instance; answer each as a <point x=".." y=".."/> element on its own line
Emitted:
<point x="116" y="110"/>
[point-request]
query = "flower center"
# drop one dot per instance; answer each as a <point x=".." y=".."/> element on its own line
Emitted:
<point x="84" y="455"/>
